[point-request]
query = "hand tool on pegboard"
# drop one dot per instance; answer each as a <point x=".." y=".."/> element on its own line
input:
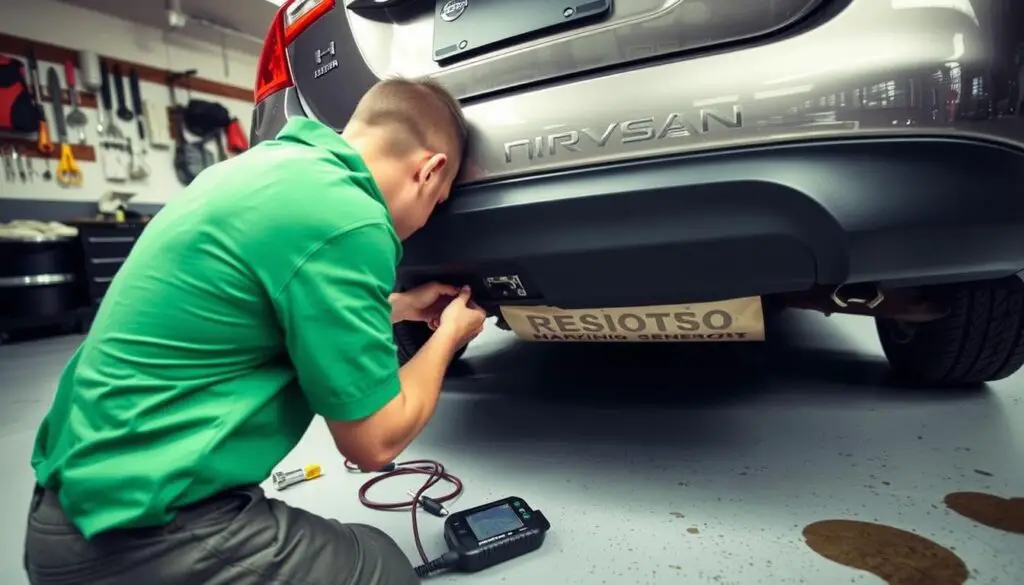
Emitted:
<point x="7" y="153"/>
<point x="107" y="127"/>
<point x="68" y="172"/>
<point x="43" y="143"/>
<point x="76" y="117"/>
<point x="113" y="146"/>
<point x="122" y="105"/>
<point x="31" y="170"/>
<point x="19" y="163"/>
<point x="139" y="169"/>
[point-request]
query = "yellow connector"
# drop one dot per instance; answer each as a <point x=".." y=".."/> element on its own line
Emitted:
<point x="283" y="479"/>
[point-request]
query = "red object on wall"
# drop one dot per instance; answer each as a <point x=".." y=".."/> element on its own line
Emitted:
<point x="18" y="111"/>
<point x="237" y="142"/>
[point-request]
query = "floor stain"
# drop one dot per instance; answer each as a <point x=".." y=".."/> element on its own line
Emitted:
<point x="896" y="556"/>
<point x="693" y="530"/>
<point x="990" y="510"/>
<point x="677" y="514"/>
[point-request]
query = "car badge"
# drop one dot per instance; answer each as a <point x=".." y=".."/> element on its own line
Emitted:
<point x="453" y="9"/>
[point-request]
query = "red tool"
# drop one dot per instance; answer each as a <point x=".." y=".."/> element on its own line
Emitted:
<point x="236" y="140"/>
<point x="76" y="117"/>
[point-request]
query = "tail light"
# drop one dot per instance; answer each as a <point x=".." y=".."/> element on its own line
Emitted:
<point x="291" y="19"/>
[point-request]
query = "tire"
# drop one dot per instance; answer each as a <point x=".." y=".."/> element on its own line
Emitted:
<point x="980" y="340"/>
<point x="410" y="336"/>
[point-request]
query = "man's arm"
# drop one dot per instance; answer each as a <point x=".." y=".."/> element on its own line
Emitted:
<point x="337" y="324"/>
<point x="394" y="426"/>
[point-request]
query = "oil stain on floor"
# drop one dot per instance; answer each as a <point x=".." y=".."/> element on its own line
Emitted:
<point x="1005" y="514"/>
<point x="896" y="556"/>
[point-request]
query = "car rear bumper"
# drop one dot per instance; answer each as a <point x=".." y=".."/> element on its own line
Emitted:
<point x="724" y="225"/>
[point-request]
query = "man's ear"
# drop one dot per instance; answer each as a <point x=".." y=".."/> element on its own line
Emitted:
<point x="433" y="167"/>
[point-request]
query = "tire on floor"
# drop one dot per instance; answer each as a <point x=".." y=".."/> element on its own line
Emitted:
<point x="980" y="340"/>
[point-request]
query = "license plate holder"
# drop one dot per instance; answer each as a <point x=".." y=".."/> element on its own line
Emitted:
<point x="740" y="319"/>
<point x="464" y="28"/>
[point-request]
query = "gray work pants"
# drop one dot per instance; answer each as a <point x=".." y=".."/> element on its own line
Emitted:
<point x="239" y="537"/>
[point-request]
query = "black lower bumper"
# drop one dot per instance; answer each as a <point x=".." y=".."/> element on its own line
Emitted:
<point x="739" y="223"/>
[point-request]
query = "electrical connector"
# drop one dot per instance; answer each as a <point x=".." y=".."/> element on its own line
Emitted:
<point x="432" y="506"/>
<point x="447" y="561"/>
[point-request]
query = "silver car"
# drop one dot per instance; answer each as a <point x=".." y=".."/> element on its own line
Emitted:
<point x="673" y="170"/>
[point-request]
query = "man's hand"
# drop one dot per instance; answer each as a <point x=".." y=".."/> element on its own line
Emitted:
<point x="462" y="319"/>
<point x="423" y="303"/>
<point x="372" y="442"/>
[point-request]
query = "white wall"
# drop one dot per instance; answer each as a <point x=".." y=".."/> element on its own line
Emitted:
<point x="56" y="23"/>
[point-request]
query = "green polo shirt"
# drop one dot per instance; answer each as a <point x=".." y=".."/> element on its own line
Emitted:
<point x="255" y="299"/>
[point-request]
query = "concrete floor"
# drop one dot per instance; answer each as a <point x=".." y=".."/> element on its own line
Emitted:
<point x="668" y="464"/>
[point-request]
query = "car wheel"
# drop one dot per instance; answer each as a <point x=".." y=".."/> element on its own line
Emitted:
<point x="410" y="336"/>
<point x="980" y="340"/>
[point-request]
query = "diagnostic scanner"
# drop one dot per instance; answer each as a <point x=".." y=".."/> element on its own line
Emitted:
<point x="493" y="533"/>
<point x="477" y="538"/>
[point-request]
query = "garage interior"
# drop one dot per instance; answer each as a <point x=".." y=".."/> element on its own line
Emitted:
<point x="716" y="464"/>
<point x="795" y="460"/>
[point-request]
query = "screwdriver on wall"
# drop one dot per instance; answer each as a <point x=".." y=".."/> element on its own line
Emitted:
<point x="9" y="174"/>
<point x="19" y="162"/>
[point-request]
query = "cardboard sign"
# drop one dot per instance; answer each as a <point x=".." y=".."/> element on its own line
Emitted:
<point x="731" y="320"/>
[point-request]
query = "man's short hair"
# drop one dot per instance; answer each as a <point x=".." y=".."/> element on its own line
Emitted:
<point x="420" y="113"/>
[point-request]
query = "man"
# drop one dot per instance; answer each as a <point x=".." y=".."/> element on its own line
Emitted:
<point x="258" y="298"/>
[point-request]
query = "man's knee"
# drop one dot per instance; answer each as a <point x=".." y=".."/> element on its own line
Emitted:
<point x="380" y="539"/>
<point x="398" y="567"/>
<point x="372" y="532"/>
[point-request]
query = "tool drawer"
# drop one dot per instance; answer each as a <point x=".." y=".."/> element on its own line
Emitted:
<point x="108" y="243"/>
<point x="105" y="247"/>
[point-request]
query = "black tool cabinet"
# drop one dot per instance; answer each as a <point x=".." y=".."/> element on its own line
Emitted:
<point x="105" y="246"/>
